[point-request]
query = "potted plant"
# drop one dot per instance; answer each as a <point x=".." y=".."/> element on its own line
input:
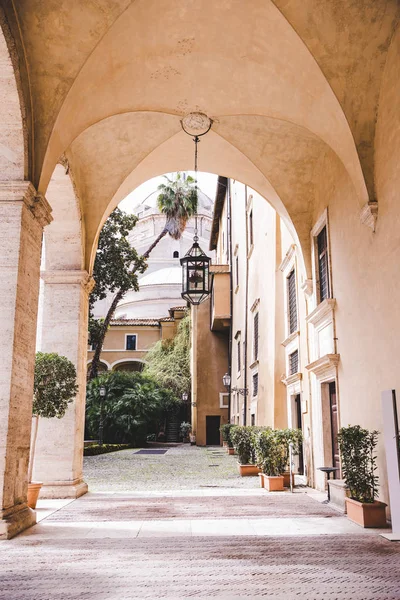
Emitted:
<point x="271" y="458"/>
<point x="242" y="438"/>
<point x="226" y="436"/>
<point x="185" y="429"/>
<point x="192" y="437"/>
<point x="358" y="456"/>
<point x="54" y="388"/>
<point x="294" y="437"/>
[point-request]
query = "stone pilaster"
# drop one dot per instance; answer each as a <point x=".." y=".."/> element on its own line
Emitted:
<point x="23" y="214"/>
<point x="59" y="449"/>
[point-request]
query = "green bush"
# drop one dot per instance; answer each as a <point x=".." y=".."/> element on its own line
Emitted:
<point x="271" y="452"/>
<point x="185" y="429"/>
<point x="357" y="450"/>
<point x="242" y="438"/>
<point x="290" y="436"/>
<point x="104" y="449"/>
<point x="54" y="385"/>
<point x="226" y="433"/>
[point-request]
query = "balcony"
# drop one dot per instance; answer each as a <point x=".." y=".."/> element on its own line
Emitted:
<point x="220" y="298"/>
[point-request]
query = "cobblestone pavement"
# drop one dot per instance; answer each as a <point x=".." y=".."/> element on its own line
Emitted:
<point x="182" y="467"/>
<point x="227" y="539"/>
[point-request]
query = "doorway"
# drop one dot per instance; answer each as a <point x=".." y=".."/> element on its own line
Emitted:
<point x="299" y="425"/>
<point x="213" y="436"/>
<point x="334" y="427"/>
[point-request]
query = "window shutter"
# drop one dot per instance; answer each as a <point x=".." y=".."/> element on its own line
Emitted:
<point x="294" y="362"/>
<point x="292" y="302"/>
<point x="323" y="272"/>
<point x="256" y="336"/>
<point x="238" y="356"/>
<point x="255" y="384"/>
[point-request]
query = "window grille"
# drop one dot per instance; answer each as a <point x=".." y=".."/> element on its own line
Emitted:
<point x="237" y="271"/>
<point x="323" y="267"/>
<point x="256" y="330"/>
<point x="292" y="302"/>
<point x="294" y="362"/>
<point x="251" y="235"/>
<point x="255" y="384"/>
<point x="238" y="356"/>
<point x="131" y="342"/>
<point x="176" y="254"/>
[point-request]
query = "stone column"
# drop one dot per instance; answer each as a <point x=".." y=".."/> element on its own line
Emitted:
<point x="23" y="215"/>
<point x="59" y="449"/>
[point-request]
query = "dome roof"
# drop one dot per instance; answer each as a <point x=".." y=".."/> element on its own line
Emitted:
<point x="168" y="275"/>
<point x="148" y="206"/>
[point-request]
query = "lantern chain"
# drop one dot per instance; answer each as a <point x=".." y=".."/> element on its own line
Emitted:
<point x="196" y="140"/>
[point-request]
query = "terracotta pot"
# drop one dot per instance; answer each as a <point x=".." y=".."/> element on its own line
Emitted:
<point x="272" y="483"/>
<point x="286" y="479"/>
<point x="366" y="514"/>
<point x="231" y="451"/>
<point x="33" y="493"/>
<point x="248" y="470"/>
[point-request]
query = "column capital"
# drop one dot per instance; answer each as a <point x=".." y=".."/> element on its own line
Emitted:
<point x="24" y="191"/>
<point x="70" y="277"/>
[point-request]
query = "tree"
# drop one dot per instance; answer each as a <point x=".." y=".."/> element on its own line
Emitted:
<point x="54" y="388"/>
<point x="116" y="267"/>
<point x="133" y="402"/>
<point x="168" y="361"/>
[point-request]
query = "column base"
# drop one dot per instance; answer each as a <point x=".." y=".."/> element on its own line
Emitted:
<point x="18" y="519"/>
<point x="58" y="490"/>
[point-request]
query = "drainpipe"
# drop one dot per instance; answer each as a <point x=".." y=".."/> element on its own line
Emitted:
<point x="229" y="228"/>
<point x="246" y="308"/>
<point x="194" y="326"/>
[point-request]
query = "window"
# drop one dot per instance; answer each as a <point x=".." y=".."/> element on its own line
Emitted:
<point x="253" y="420"/>
<point x="131" y="342"/>
<point x="294" y="362"/>
<point x="238" y="356"/>
<point x="255" y="385"/>
<point x="292" y="301"/>
<point x="251" y="233"/>
<point x="176" y="254"/>
<point x="255" y="329"/>
<point x="323" y="265"/>
<point x="237" y="271"/>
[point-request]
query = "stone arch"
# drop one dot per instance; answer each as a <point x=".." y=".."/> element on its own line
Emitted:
<point x="13" y="124"/>
<point x="128" y="364"/>
<point x="104" y="365"/>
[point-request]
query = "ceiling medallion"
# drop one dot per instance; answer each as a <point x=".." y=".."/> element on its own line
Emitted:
<point x="196" y="123"/>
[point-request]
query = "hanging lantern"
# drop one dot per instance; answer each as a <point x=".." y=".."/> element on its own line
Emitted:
<point x="195" y="275"/>
<point x="195" y="263"/>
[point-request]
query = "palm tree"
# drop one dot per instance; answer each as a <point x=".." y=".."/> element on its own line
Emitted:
<point x="178" y="202"/>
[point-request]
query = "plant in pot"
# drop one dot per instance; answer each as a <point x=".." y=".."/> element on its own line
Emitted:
<point x="358" y="456"/>
<point x="226" y="436"/>
<point x="271" y="458"/>
<point x="54" y="388"/>
<point x="185" y="429"/>
<point x="243" y="441"/>
<point x="294" y="437"/>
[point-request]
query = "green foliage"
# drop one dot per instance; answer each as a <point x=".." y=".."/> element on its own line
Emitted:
<point x="226" y="433"/>
<point x="95" y="449"/>
<point x="54" y="385"/>
<point x="271" y="452"/>
<point x="133" y="403"/>
<point x="168" y="361"/>
<point x="178" y="202"/>
<point x="357" y="450"/>
<point x="185" y="429"/>
<point x="242" y="438"/>
<point x="290" y="436"/>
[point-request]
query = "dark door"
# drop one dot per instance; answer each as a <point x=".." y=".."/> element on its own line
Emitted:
<point x="213" y="437"/>
<point x="334" y="428"/>
<point x="299" y="425"/>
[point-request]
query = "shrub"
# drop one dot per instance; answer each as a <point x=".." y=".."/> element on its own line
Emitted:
<point x="357" y="449"/>
<point x="242" y="437"/>
<point x="271" y="453"/>
<point x="290" y="436"/>
<point x="185" y="429"/>
<point x="95" y="449"/>
<point x="226" y="433"/>
<point x="54" y="385"/>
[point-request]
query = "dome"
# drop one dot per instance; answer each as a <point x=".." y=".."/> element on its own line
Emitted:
<point x="148" y="206"/>
<point x="166" y="276"/>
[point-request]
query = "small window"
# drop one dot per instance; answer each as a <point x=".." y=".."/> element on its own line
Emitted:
<point x="251" y="234"/>
<point x="294" y="362"/>
<point x="176" y="254"/>
<point x="238" y="356"/>
<point x="237" y="271"/>
<point x="253" y="420"/>
<point x="292" y="301"/>
<point x="131" y="342"/>
<point x="255" y="348"/>
<point x="323" y="265"/>
<point x="255" y="384"/>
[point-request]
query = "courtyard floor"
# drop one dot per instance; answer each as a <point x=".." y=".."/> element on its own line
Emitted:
<point x="185" y="525"/>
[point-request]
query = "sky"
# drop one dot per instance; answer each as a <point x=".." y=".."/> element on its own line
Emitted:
<point x="207" y="184"/>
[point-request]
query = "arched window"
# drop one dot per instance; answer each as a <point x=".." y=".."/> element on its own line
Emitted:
<point x="176" y="254"/>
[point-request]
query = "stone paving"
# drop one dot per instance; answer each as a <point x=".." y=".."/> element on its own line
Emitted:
<point x="225" y="539"/>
